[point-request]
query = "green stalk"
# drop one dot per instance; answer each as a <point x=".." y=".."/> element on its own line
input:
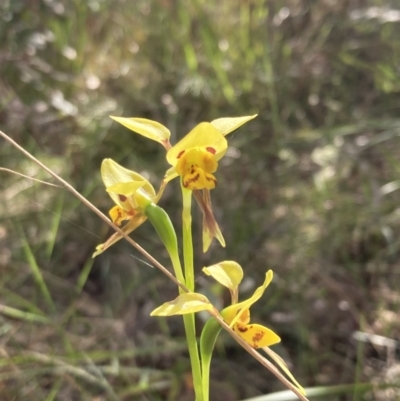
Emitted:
<point x="189" y="320"/>
<point x="187" y="237"/>
<point x="163" y="225"/>
<point x="190" y="329"/>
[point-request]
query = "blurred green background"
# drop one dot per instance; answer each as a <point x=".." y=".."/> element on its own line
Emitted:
<point x="309" y="189"/>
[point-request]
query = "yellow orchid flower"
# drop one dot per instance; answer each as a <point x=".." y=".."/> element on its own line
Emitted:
<point x="200" y="150"/>
<point x="131" y="192"/>
<point x="237" y="315"/>
<point x="195" y="159"/>
<point x="230" y="274"/>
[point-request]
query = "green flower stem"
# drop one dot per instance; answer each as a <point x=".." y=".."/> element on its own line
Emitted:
<point x="163" y="225"/>
<point x="187" y="237"/>
<point x="189" y="320"/>
<point x="190" y="329"/>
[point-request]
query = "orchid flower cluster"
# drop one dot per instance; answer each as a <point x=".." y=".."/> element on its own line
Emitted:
<point x="194" y="159"/>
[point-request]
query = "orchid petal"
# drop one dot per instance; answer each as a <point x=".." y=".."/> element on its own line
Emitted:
<point x="185" y="303"/>
<point x="210" y="226"/>
<point x="112" y="173"/>
<point x="233" y="313"/>
<point x="227" y="125"/>
<point x="257" y="293"/>
<point x="203" y="135"/>
<point x="228" y="273"/>
<point x="208" y="235"/>
<point x="118" y="215"/>
<point x="170" y="174"/>
<point x="125" y="188"/>
<point x="256" y="335"/>
<point x="148" y="128"/>
<point x="134" y="223"/>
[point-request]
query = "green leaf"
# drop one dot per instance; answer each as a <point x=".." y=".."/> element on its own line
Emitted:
<point x="208" y="338"/>
<point x="160" y="220"/>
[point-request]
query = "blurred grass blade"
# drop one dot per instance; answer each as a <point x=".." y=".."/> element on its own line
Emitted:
<point x="389" y="187"/>
<point x="359" y="368"/>
<point x="19" y="301"/>
<point x="188" y="49"/>
<point x="37" y="275"/>
<point x="21" y="315"/>
<point x="54" y="391"/>
<point x="100" y="376"/>
<point x="54" y="225"/>
<point x="84" y="274"/>
<point x="75" y="371"/>
<point x="324" y="391"/>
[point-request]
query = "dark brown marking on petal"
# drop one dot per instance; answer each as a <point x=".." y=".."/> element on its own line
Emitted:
<point x="118" y="220"/>
<point x="211" y="150"/>
<point x="242" y="329"/>
<point x="180" y="154"/>
<point x="258" y="337"/>
<point x="194" y="179"/>
<point x="122" y="198"/>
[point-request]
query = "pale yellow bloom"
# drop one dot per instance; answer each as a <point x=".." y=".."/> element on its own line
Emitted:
<point x="238" y="317"/>
<point x="195" y="159"/>
<point x="131" y="192"/>
<point x="230" y="274"/>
